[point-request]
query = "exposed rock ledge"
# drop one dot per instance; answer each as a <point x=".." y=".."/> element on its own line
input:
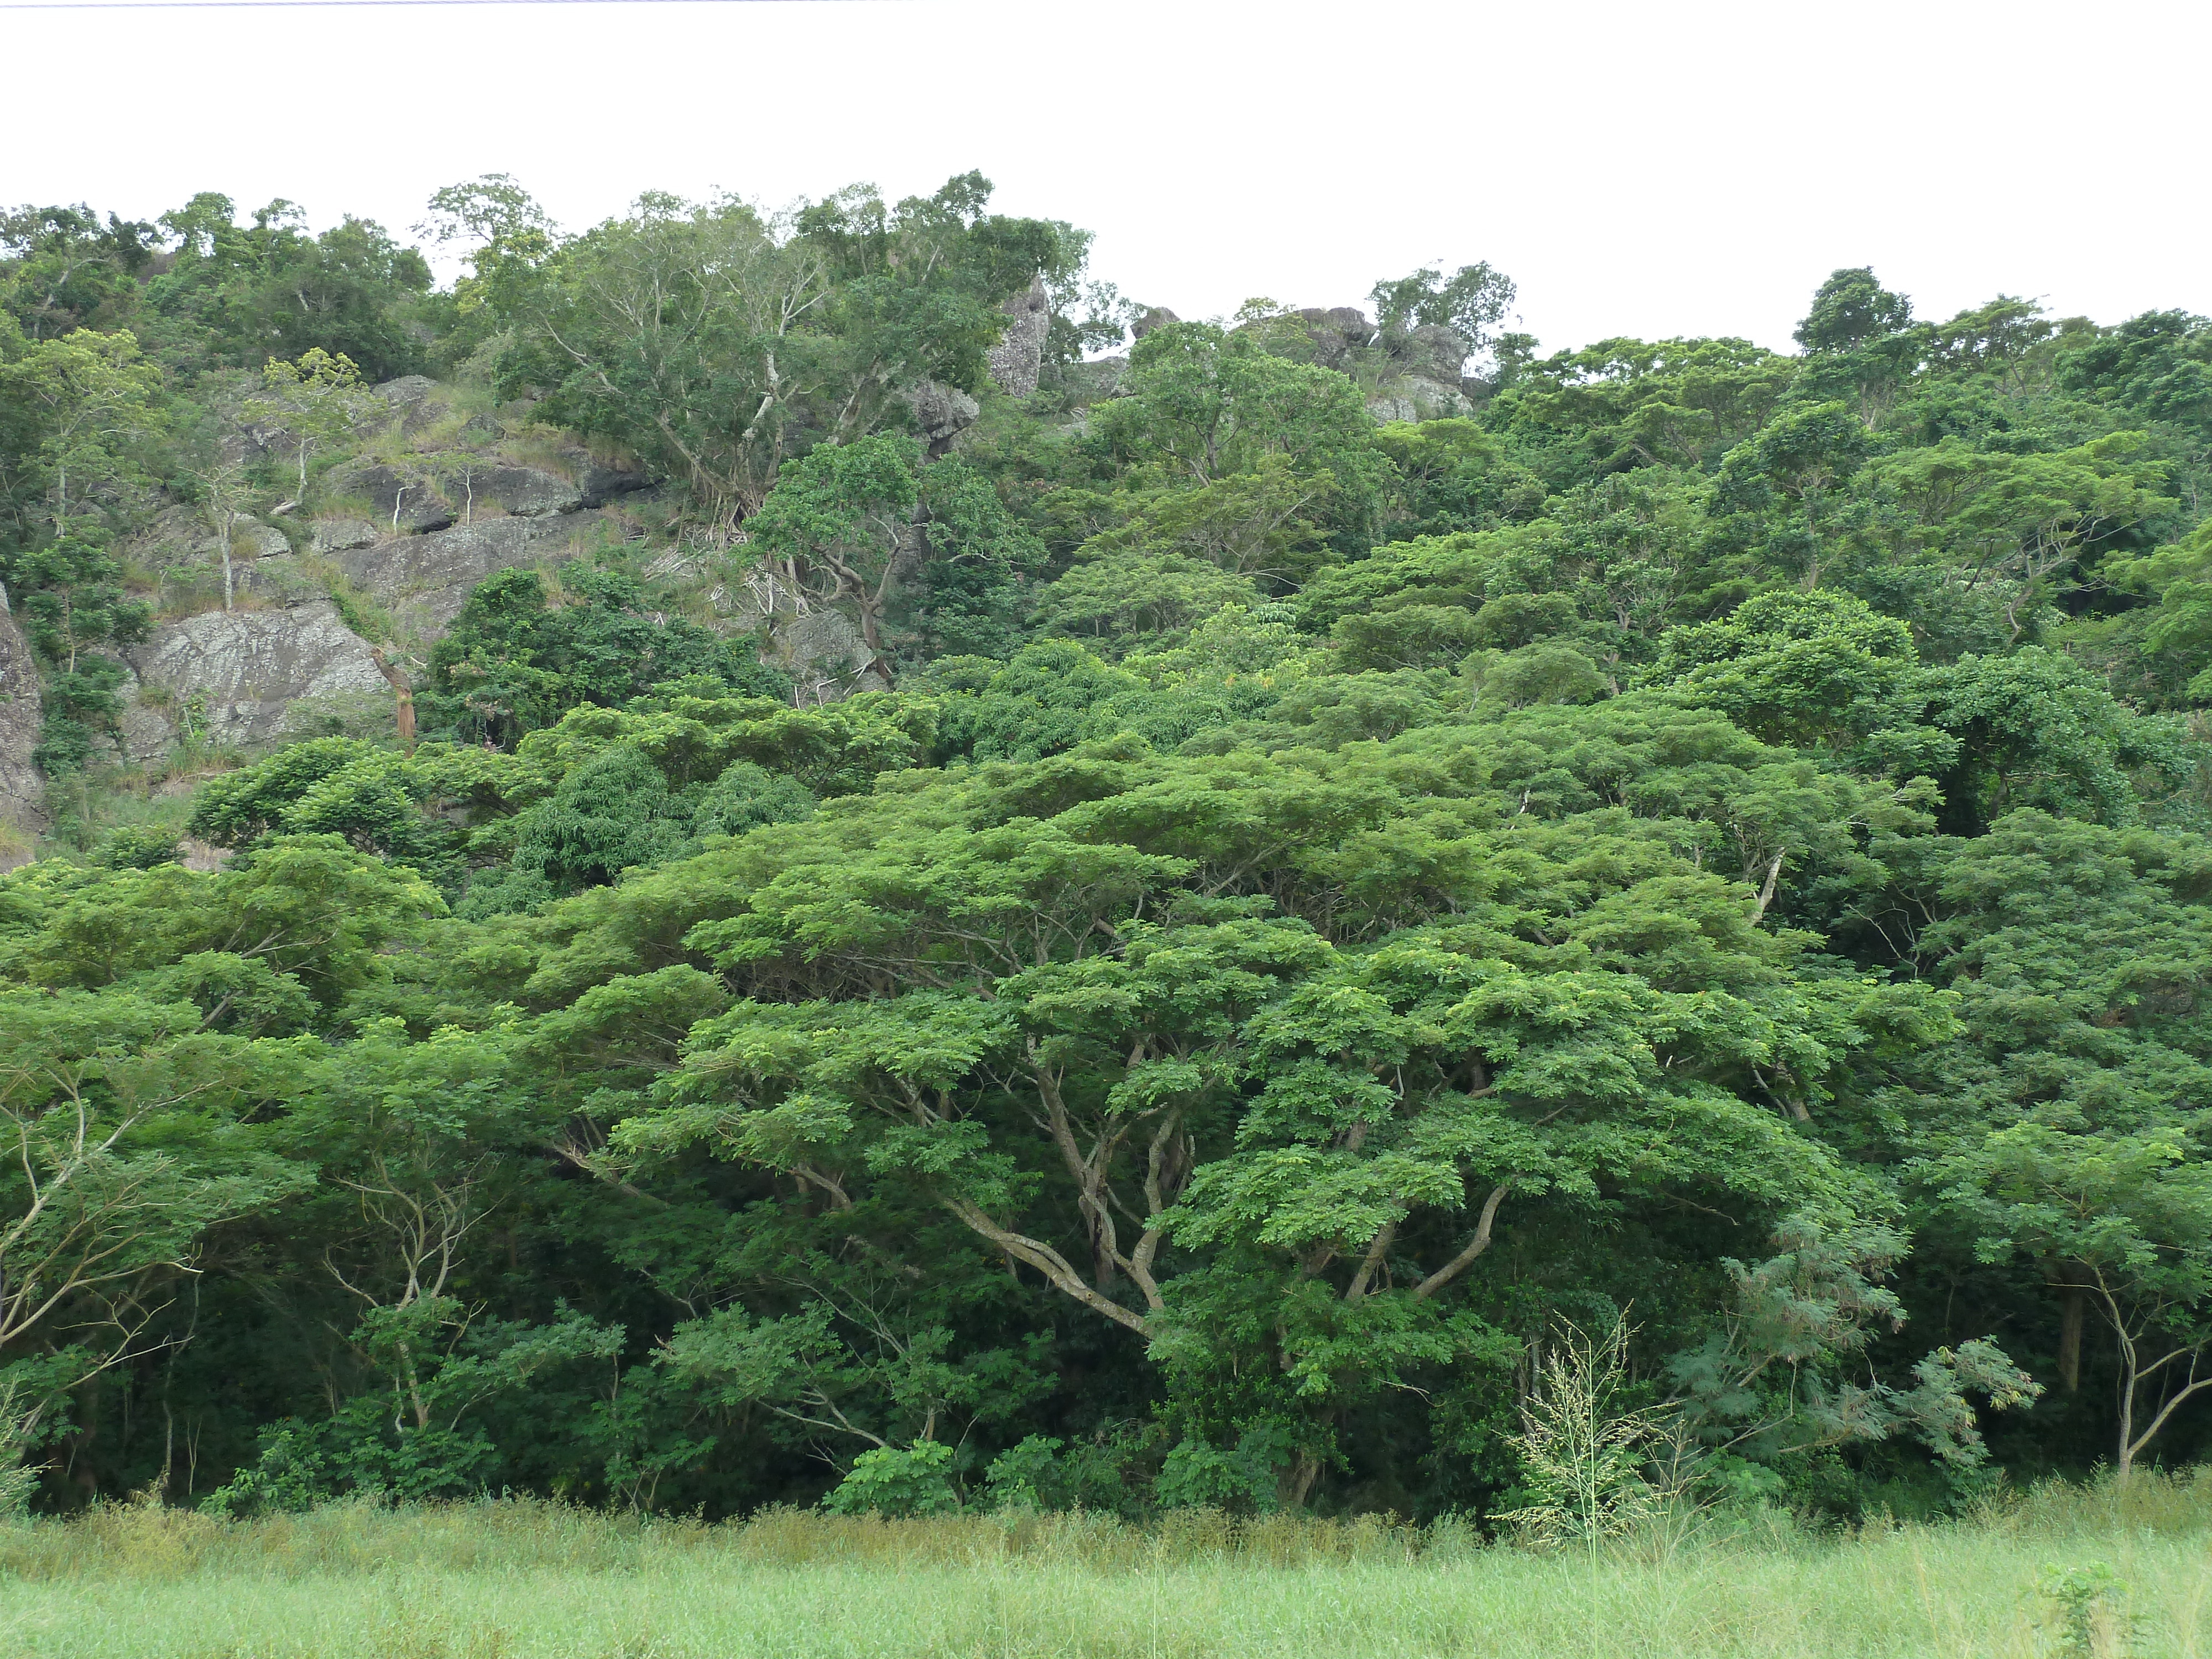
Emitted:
<point x="425" y="580"/>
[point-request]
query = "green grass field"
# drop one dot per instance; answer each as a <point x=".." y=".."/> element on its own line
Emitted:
<point x="511" y="1580"/>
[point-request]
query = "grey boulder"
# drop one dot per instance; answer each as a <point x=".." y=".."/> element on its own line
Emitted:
<point x="415" y="399"/>
<point x="143" y="724"/>
<point x="1100" y="377"/>
<point x="182" y="535"/>
<point x="527" y="493"/>
<point x="823" y="651"/>
<point x="342" y="535"/>
<point x="598" y="482"/>
<point x="1435" y="352"/>
<point x="942" y="411"/>
<point x="1436" y="399"/>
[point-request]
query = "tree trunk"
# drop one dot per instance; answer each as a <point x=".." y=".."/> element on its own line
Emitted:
<point x="403" y="695"/>
<point x="2127" y="1458"/>
<point x="414" y="1385"/>
<point x="871" y="607"/>
<point x="1298" y="1480"/>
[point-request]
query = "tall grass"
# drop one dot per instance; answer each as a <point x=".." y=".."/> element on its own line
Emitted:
<point x="518" y="1580"/>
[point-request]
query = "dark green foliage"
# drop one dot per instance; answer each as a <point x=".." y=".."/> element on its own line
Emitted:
<point x="514" y="661"/>
<point x="81" y="708"/>
<point x="72" y="601"/>
<point x="609" y="814"/>
<point x="1850" y="308"/>
<point x="745" y="796"/>
<point x="201" y="290"/>
<point x="66" y="270"/>
<point x="238" y="295"/>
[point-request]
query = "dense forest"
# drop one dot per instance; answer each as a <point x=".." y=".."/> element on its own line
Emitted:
<point x="1071" y="907"/>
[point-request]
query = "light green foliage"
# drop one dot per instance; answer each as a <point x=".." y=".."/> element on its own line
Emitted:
<point x="1127" y="596"/>
<point x="2088" y="1604"/>
<point x="895" y="1483"/>
<point x="18" y="1479"/>
<point x="1801" y="667"/>
<point x="83" y="409"/>
<point x="1678" y="402"/>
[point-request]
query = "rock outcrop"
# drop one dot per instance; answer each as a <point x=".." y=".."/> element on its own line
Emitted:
<point x="403" y="500"/>
<point x="1415" y="398"/>
<point x="1433" y="352"/>
<point x="1100" y="377"/>
<point x="183" y="535"/>
<point x="417" y="524"/>
<point x="526" y="492"/>
<point x="1156" y="316"/>
<point x="455" y="486"/>
<point x="413" y="398"/>
<point x="245" y="676"/>
<point x="1336" y="333"/>
<point x="942" y="412"/>
<point x="597" y="483"/>
<point x="823" y="651"/>
<point x="22" y="791"/>
<point x="1018" y="358"/>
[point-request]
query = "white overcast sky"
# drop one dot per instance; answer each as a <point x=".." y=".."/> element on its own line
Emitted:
<point x="1653" y="169"/>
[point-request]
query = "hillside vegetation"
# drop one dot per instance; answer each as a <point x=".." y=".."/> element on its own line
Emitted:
<point x="750" y="860"/>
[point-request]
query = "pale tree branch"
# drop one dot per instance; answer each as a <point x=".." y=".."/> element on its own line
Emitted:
<point x="1475" y="1246"/>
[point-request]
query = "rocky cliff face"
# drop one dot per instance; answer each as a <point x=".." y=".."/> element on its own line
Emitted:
<point x="456" y="487"/>
<point x="414" y="528"/>
<point x="22" y="791"/>
<point x="1018" y="358"/>
<point x="246" y="676"/>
